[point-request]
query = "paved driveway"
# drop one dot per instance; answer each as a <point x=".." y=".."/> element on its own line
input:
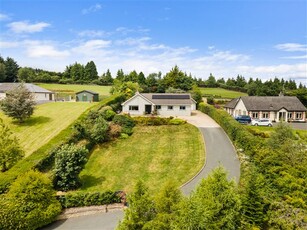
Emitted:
<point x="219" y="151"/>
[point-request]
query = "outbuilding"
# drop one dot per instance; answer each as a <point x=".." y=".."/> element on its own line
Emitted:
<point x="87" y="95"/>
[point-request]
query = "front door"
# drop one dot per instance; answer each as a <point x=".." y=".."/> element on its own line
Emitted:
<point x="282" y="116"/>
<point x="147" y="109"/>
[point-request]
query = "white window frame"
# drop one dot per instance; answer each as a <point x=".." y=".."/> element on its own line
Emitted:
<point x="290" y="114"/>
<point x="158" y="107"/>
<point x="255" y="115"/>
<point x="265" y="115"/>
<point x="170" y="107"/>
<point x="132" y="108"/>
<point x="182" y="107"/>
<point x="299" y="115"/>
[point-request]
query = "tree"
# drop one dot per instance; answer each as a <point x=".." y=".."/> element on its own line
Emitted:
<point x="19" y="103"/>
<point x="2" y="72"/>
<point x="196" y="94"/>
<point x="106" y="78"/>
<point x="141" y="209"/>
<point x="77" y="72"/>
<point x="90" y="72"/>
<point x="11" y="70"/>
<point x="214" y="205"/>
<point x="30" y="203"/>
<point x="141" y="78"/>
<point x="177" y="80"/>
<point x="69" y="161"/>
<point x="10" y="151"/>
<point x="211" y="82"/>
<point x="26" y="74"/>
<point x="253" y="200"/>
<point x="120" y="75"/>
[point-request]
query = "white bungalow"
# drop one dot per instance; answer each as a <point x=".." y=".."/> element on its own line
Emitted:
<point x="40" y="94"/>
<point x="165" y="104"/>
<point x="281" y="108"/>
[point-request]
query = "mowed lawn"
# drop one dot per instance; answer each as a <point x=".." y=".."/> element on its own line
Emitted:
<point x="72" y="89"/>
<point x="223" y="93"/>
<point x="47" y="121"/>
<point x="153" y="154"/>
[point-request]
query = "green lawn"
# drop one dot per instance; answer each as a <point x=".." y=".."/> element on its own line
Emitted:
<point x="72" y="89"/>
<point x="154" y="154"/>
<point x="48" y="120"/>
<point x="222" y="93"/>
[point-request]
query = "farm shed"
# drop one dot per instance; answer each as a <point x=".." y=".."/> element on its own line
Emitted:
<point x="87" y="95"/>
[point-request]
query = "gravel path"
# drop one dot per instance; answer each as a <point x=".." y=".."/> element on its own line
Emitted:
<point x="219" y="151"/>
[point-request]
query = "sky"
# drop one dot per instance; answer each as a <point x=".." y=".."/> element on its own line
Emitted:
<point x="258" y="39"/>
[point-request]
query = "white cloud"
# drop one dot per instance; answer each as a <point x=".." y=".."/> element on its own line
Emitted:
<point x="26" y="27"/>
<point x="92" y="9"/>
<point x="93" y="33"/>
<point x="39" y="49"/>
<point x="4" y="17"/>
<point x="8" y="44"/>
<point x="291" y="47"/>
<point x="296" y="57"/>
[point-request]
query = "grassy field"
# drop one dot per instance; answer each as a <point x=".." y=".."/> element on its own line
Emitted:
<point x="48" y="120"/>
<point x="154" y="154"/>
<point x="72" y="89"/>
<point x="222" y="93"/>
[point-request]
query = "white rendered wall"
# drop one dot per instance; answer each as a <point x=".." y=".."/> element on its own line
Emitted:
<point x="240" y="108"/>
<point x="136" y="101"/>
<point x="164" y="111"/>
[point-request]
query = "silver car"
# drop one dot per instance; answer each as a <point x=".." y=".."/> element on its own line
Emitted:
<point x="262" y="122"/>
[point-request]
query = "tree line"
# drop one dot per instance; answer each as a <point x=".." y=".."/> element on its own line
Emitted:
<point x="173" y="81"/>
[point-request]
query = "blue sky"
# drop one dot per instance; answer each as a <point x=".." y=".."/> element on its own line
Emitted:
<point x="260" y="39"/>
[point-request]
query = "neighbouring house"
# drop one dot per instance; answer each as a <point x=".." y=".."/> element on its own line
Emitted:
<point x="40" y="94"/>
<point x="280" y="108"/>
<point x="165" y="104"/>
<point x="87" y="95"/>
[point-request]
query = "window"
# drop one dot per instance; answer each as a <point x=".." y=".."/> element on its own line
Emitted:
<point x="133" y="107"/>
<point x="182" y="107"/>
<point x="299" y="116"/>
<point x="265" y="115"/>
<point x="289" y="115"/>
<point x="254" y="114"/>
<point x="158" y="107"/>
<point x="170" y="107"/>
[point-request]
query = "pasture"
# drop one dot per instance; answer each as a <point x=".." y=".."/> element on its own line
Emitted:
<point x="67" y="89"/>
<point x="222" y="93"/>
<point x="47" y="121"/>
<point x="154" y="154"/>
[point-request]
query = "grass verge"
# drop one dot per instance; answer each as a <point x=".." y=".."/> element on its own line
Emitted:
<point x="222" y="93"/>
<point x="154" y="154"/>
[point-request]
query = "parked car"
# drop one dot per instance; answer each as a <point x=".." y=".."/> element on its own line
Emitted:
<point x="262" y="122"/>
<point x="243" y="119"/>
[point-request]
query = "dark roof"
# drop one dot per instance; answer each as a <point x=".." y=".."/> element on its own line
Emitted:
<point x="89" y="91"/>
<point x="232" y="104"/>
<point x="255" y="103"/>
<point x="169" y="98"/>
<point x="4" y="87"/>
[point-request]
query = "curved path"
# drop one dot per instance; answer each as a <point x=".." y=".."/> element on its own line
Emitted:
<point x="219" y="151"/>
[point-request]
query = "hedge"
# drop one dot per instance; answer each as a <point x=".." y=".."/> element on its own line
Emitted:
<point x="80" y="199"/>
<point x="237" y="132"/>
<point x="156" y="121"/>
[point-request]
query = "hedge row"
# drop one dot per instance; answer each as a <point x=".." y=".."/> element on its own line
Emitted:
<point x="80" y="199"/>
<point x="237" y="133"/>
<point x="42" y="158"/>
<point x="156" y="121"/>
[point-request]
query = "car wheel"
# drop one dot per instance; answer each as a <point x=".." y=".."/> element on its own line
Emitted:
<point x="270" y="125"/>
<point x="256" y="124"/>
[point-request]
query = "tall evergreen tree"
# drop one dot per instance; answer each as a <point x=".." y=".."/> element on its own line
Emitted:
<point x="90" y="72"/>
<point x="120" y="75"/>
<point x="106" y="78"/>
<point x="11" y="70"/>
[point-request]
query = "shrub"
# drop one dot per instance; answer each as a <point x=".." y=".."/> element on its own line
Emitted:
<point x="114" y="130"/>
<point x="69" y="161"/>
<point x="80" y="199"/>
<point x="210" y="100"/>
<point x="126" y="122"/>
<point x="108" y="114"/>
<point x="30" y="203"/>
<point x="176" y="121"/>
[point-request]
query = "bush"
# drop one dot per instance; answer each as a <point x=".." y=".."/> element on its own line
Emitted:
<point x="151" y="121"/>
<point x="30" y="203"/>
<point x="126" y="122"/>
<point x="69" y="161"/>
<point x="114" y="131"/>
<point x="210" y="100"/>
<point x="80" y="199"/>
<point x="176" y="121"/>
<point x="108" y="114"/>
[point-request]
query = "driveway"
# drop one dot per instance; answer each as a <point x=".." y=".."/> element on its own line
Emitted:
<point x="219" y="151"/>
